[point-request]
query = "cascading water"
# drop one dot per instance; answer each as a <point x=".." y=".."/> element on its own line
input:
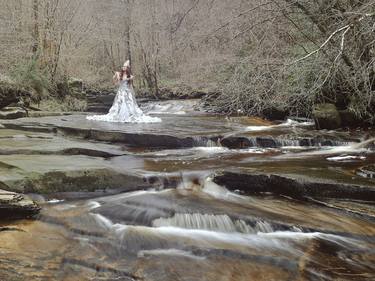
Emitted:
<point x="221" y="223"/>
<point x="200" y="141"/>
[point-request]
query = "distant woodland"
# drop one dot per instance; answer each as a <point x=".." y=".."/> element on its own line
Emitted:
<point x="250" y="56"/>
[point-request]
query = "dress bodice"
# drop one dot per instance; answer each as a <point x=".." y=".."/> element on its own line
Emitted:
<point x="124" y="83"/>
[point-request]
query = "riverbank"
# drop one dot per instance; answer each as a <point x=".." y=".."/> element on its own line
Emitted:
<point x="74" y="95"/>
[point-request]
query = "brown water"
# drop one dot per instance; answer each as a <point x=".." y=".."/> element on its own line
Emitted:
<point x="199" y="230"/>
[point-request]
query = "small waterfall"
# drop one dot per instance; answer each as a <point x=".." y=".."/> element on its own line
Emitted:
<point x="220" y="223"/>
<point x="176" y="107"/>
<point x="205" y="142"/>
<point x="287" y="142"/>
<point x="310" y="142"/>
<point x="243" y="142"/>
<point x="287" y="124"/>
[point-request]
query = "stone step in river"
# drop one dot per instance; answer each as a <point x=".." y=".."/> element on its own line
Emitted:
<point x="196" y="197"/>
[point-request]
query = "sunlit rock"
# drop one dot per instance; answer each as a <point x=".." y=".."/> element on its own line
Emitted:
<point x="14" y="205"/>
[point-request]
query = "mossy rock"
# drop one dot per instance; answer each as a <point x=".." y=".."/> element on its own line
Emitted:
<point x="275" y="113"/>
<point x="326" y="116"/>
<point x="75" y="83"/>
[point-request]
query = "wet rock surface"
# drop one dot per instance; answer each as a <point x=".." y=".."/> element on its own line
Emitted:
<point x="367" y="171"/>
<point x="234" y="198"/>
<point x="299" y="188"/>
<point x="53" y="174"/>
<point x="241" y="142"/>
<point x="172" y="133"/>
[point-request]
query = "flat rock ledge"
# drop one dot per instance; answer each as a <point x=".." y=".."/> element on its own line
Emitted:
<point x="90" y="180"/>
<point x="167" y="141"/>
<point x="16" y="206"/>
<point x="299" y="188"/>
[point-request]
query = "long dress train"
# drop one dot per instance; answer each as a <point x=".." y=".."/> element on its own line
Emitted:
<point x="125" y="109"/>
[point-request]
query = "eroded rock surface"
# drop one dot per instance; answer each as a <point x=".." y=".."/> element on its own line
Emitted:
<point x="54" y="173"/>
<point x="257" y="183"/>
<point x="12" y="113"/>
<point x="15" y="206"/>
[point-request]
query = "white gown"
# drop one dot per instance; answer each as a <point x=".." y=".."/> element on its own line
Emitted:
<point x="125" y="109"/>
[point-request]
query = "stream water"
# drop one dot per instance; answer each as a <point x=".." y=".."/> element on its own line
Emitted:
<point x="193" y="229"/>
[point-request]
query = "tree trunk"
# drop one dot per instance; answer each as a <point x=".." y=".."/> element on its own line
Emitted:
<point x="35" y="34"/>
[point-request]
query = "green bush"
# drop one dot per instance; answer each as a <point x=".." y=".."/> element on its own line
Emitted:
<point x="29" y="75"/>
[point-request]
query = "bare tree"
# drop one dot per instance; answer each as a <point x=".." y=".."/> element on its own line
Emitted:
<point x="297" y="53"/>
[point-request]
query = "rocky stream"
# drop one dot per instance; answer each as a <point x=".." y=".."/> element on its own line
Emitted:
<point x="196" y="197"/>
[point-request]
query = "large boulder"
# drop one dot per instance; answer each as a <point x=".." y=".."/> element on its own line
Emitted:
<point x="326" y="116"/>
<point x="349" y="119"/>
<point x="275" y="113"/>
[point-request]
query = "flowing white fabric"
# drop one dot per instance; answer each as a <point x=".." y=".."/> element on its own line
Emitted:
<point x="125" y="109"/>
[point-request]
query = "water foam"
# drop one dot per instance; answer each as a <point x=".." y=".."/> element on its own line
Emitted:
<point x="93" y="205"/>
<point x="219" y="223"/>
<point x="288" y="123"/>
<point x="55" y="201"/>
<point x="346" y="158"/>
<point x="164" y="109"/>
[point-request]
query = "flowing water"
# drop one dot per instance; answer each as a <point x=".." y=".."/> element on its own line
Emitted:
<point x="184" y="226"/>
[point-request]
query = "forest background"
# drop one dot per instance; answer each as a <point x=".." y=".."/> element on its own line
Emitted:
<point x="255" y="57"/>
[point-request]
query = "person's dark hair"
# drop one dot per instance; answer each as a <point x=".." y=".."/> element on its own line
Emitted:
<point x="122" y="72"/>
<point x="126" y="72"/>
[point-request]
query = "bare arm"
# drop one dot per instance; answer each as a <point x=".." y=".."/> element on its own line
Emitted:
<point x="116" y="78"/>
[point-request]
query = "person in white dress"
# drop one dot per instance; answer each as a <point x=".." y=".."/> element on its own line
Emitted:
<point x="124" y="108"/>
